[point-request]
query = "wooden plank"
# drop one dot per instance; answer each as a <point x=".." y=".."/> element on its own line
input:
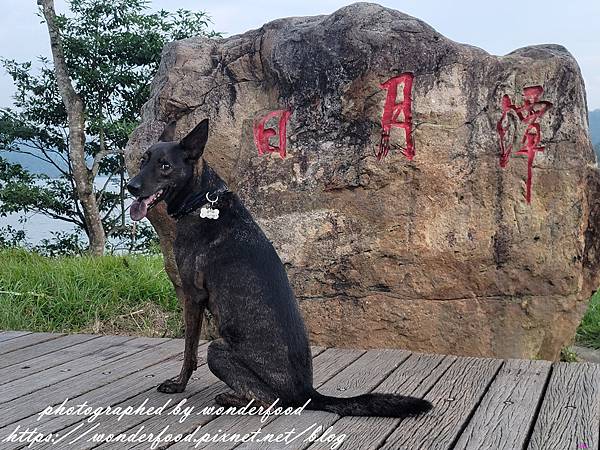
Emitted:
<point x="8" y="335"/>
<point x="46" y="377"/>
<point x="128" y="357"/>
<point x="29" y="355"/>
<point x="144" y="380"/>
<point x="570" y="413"/>
<point x="149" y="397"/>
<point x="364" y="374"/>
<point x="332" y="361"/>
<point x="504" y="417"/>
<point x="154" y="398"/>
<point x="415" y="377"/>
<point x="325" y="365"/>
<point x="25" y="341"/>
<point x="360" y="377"/>
<point x="479" y="403"/>
<point x="456" y="394"/>
<point x="316" y="350"/>
<point x="35" y="365"/>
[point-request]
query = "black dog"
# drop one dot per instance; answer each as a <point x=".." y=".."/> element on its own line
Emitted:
<point x="227" y="264"/>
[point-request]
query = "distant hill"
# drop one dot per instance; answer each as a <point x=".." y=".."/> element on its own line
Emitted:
<point x="595" y="130"/>
<point x="595" y="126"/>
<point x="31" y="163"/>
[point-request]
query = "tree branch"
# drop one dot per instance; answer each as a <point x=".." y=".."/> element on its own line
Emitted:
<point x="58" y="216"/>
<point x="116" y="229"/>
<point x="100" y="156"/>
<point x="109" y="212"/>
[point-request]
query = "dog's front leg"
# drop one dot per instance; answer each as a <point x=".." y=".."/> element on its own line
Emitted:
<point x="193" y="308"/>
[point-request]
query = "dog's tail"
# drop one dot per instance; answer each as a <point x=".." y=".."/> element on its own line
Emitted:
<point x="381" y="405"/>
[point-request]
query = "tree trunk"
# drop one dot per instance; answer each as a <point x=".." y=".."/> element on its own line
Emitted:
<point x="84" y="178"/>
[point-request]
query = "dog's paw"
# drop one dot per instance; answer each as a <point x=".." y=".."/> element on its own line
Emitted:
<point x="170" y="387"/>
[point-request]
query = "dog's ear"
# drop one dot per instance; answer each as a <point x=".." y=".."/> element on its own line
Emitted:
<point x="168" y="134"/>
<point x="193" y="144"/>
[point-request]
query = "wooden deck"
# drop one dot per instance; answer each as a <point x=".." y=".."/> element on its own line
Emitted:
<point x="479" y="403"/>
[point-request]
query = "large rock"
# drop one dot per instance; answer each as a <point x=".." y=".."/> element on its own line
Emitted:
<point x="439" y="253"/>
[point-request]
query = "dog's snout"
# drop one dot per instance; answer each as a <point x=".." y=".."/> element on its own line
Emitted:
<point x="134" y="186"/>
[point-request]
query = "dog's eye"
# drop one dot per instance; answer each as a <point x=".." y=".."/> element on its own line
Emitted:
<point x="165" y="166"/>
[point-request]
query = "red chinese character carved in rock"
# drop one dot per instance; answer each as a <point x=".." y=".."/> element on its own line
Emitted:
<point x="529" y="113"/>
<point x="397" y="114"/>
<point x="262" y="135"/>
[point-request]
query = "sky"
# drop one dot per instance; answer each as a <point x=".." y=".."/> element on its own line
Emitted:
<point x="497" y="27"/>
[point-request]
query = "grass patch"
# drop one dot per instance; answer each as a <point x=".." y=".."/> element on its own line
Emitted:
<point x="109" y="294"/>
<point x="567" y="354"/>
<point x="588" y="333"/>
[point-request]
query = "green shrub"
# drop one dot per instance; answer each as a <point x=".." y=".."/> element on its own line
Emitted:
<point x="115" y="294"/>
<point x="588" y="332"/>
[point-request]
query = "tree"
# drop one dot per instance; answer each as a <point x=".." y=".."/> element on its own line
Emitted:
<point x="77" y="111"/>
<point x="83" y="177"/>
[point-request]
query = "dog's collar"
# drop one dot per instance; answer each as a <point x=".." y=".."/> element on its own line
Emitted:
<point x="197" y="200"/>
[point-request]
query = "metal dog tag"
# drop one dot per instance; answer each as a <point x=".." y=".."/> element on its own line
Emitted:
<point x="210" y="212"/>
<point x="207" y="212"/>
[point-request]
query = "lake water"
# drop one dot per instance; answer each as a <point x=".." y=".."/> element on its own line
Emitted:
<point x="39" y="226"/>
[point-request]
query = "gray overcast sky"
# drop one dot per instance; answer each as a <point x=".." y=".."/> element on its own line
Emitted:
<point x="498" y="27"/>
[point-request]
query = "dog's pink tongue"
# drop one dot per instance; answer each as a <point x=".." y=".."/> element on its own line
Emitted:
<point x="138" y="209"/>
